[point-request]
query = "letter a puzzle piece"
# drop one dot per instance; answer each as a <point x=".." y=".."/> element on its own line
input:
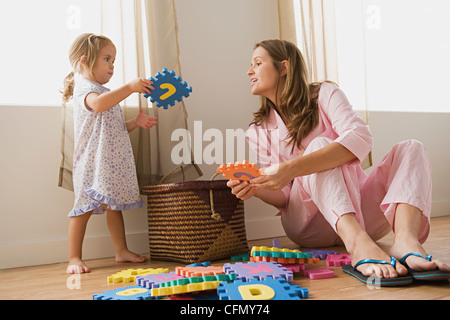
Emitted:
<point x="168" y="89"/>
<point x="266" y="289"/>
<point x="240" y="171"/>
<point x="258" y="270"/>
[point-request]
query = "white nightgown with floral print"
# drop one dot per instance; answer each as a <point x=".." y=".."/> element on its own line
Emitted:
<point x="104" y="171"/>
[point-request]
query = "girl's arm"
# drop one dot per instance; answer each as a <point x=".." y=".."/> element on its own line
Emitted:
<point x="105" y="101"/>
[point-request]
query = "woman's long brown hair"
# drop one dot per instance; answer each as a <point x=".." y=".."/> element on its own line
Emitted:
<point x="298" y="101"/>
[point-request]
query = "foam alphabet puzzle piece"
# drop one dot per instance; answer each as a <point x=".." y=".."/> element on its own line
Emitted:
<point x="266" y="289"/>
<point x="191" y="287"/>
<point x="279" y="253"/>
<point x="199" y="271"/>
<point x="129" y="275"/>
<point x="338" y="260"/>
<point x="315" y="274"/>
<point x="169" y="88"/>
<point x="127" y="293"/>
<point x="240" y="171"/>
<point x="154" y="280"/>
<point x="258" y="270"/>
<point x="322" y="254"/>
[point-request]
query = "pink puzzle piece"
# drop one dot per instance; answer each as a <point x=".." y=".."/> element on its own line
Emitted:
<point x="294" y="267"/>
<point x="337" y="260"/>
<point x="315" y="274"/>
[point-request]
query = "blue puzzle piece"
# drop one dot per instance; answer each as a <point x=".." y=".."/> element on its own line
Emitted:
<point x="168" y="89"/>
<point x="266" y="289"/>
<point x="127" y="293"/>
<point x="258" y="270"/>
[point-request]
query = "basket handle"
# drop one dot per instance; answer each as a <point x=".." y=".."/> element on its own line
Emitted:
<point x="214" y="214"/>
<point x="176" y="168"/>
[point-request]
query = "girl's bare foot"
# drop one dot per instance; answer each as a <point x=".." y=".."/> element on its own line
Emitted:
<point x="76" y="265"/>
<point x="128" y="256"/>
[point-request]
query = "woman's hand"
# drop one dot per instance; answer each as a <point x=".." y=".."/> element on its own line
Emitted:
<point x="275" y="177"/>
<point x="241" y="189"/>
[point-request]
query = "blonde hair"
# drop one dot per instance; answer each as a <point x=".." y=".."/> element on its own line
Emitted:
<point x="88" y="45"/>
<point x="298" y="101"/>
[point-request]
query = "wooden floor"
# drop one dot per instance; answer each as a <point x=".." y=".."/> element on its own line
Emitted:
<point x="50" y="282"/>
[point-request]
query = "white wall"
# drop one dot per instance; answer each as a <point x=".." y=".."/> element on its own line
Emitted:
<point x="216" y="39"/>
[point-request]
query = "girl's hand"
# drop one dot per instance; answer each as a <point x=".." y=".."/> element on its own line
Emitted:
<point x="275" y="177"/>
<point x="141" y="85"/>
<point x="241" y="189"/>
<point x="145" y="121"/>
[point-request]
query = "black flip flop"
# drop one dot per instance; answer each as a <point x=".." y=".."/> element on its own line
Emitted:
<point x="432" y="275"/>
<point x="373" y="279"/>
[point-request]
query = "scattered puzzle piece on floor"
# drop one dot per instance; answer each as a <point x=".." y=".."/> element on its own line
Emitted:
<point x="169" y="88"/>
<point x="199" y="271"/>
<point x="240" y="257"/>
<point x="322" y="254"/>
<point x="266" y="289"/>
<point x="284" y="260"/>
<point x="200" y="264"/>
<point x="315" y="274"/>
<point x="127" y="293"/>
<point x="260" y="270"/>
<point x="129" y="275"/>
<point x="240" y="171"/>
<point x="191" y="287"/>
<point x="279" y="253"/>
<point x="295" y="267"/>
<point x="338" y="260"/>
<point x="276" y="243"/>
<point x="154" y="280"/>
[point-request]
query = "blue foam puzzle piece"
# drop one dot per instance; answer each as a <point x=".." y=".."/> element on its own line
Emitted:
<point x="127" y="293"/>
<point x="169" y="88"/>
<point x="200" y="264"/>
<point x="283" y="290"/>
<point x="258" y="270"/>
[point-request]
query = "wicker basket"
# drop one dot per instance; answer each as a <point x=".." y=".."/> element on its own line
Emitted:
<point x="194" y="221"/>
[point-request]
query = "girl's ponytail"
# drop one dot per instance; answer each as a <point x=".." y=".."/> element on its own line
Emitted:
<point x="69" y="83"/>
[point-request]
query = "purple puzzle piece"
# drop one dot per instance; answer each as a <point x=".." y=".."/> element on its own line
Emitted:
<point x="337" y="260"/>
<point x="154" y="280"/>
<point x="258" y="270"/>
<point x="322" y="254"/>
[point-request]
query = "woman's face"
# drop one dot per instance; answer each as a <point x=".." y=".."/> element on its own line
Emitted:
<point x="263" y="75"/>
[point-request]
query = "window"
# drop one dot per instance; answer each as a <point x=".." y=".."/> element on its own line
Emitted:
<point x="394" y="55"/>
<point x="36" y="36"/>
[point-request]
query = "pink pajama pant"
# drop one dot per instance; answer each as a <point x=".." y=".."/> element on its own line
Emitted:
<point x="317" y="201"/>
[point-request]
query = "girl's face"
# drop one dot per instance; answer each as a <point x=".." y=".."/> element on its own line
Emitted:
<point x="263" y="75"/>
<point x="104" y="64"/>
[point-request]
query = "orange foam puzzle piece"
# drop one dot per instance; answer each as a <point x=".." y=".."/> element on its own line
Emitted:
<point x="240" y="171"/>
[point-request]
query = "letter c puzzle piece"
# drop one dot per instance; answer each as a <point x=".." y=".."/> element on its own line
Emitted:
<point x="168" y="89"/>
<point x="240" y="171"/>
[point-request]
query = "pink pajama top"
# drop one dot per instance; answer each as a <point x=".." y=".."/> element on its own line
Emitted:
<point x="337" y="121"/>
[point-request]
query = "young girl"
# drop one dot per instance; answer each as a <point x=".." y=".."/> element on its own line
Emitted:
<point x="104" y="174"/>
<point x="316" y="180"/>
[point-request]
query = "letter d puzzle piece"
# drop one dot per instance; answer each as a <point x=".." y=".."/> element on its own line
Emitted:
<point x="266" y="289"/>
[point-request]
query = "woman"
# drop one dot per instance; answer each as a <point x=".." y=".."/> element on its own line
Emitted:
<point x="314" y="142"/>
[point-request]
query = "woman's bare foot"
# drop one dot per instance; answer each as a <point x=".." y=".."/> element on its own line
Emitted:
<point x="360" y="246"/>
<point x="128" y="256"/>
<point x="76" y="265"/>
<point x="404" y="245"/>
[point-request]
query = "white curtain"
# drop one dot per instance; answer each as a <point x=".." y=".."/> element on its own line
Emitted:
<point x="314" y="32"/>
<point x="146" y="34"/>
